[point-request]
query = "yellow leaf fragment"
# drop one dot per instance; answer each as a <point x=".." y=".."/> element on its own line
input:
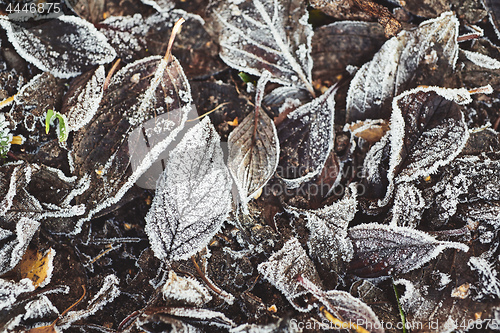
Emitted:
<point x="36" y="265"/>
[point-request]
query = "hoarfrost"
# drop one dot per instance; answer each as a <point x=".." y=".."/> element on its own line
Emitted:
<point x="307" y="135"/>
<point x="253" y="38"/>
<point x="394" y="66"/>
<point x="108" y="292"/>
<point x="408" y="206"/>
<point x="343" y="305"/>
<point x="328" y="241"/>
<point x="39" y="308"/>
<point x="482" y="60"/>
<point x="381" y="249"/>
<point x="489" y="283"/>
<point x="283" y="267"/>
<point x="81" y="104"/>
<point x="12" y="251"/>
<point x="65" y="37"/>
<point x="9" y="291"/>
<point x="428" y="130"/>
<point x="214" y="318"/>
<point x="192" y="196"/>
<point x="185" y="289"/>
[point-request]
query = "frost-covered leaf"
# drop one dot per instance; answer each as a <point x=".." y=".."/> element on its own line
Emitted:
<point x="381" y="249"/>
<point x="179" y="317"/>
<point x="83" y="98"/>
<point x="253" y="149"/>
<point x="394" y="67"/>
<point x="162" y="6"/>
<point x="343" y="43"/>
<point x="493" y="8"/>
<point x="428" y="131"/>
<point x="144" y="107"/>
<point x="482" y="60"/>
<point x="408" y="206"/>
<point x="282" y="269"/>
<point x="185" y="289"/>
<point x="306" y="139"/>
<point x="108" y="293"/>
<point x="465" y="180"/>
<point x="254" y="37"/>
<point x="328" y="241"/>
<point x="42" y="92"/>
<point x="65" y="46"/>
<point x="489" y="282"/>
<point x="9" y="291"/>
<point x="193" y="196"/>
<point x="344" y="306"/>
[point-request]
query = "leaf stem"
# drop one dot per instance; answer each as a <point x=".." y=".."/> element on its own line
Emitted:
<point x="175" y="30"/>
<point x="401" y="312"/>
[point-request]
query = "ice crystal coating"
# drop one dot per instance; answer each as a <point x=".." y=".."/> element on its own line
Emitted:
<point x="306" y="138"/>
<point x="9" y="291"/>
<point x="185" y="289"/>
<point x="254" y="37"/>
<point x="284" y="266"/>
<point x="328" y="241"/>
<point x="489" y="282"/>
<point x="393" y="67"/>
<point x="148" y="89"/>
<point x="408" y="206"/>
<point x="82" y="102"/>
<point x="381" y="249"/>
<point x="193" y="196"/>
<point x="343" y="305"/>
<point x="108" y="293"/>
<point x="65" y="46"/>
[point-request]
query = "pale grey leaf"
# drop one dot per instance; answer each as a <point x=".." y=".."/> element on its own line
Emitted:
<point x="10" y="290"/>
<point x="192" y="196"/>
<point x="391" y="70"/>
<point x="253" y="149"/>
<point x="254" y="37"/>
<point x="65" y="46"/>
<point x="482" y="60"/>
<point x="283" y="268"/>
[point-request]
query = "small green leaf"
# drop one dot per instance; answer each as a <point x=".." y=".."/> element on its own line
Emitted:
<point x="247" y="78"/>
<point x="48" y="120"/>
<point x="401" y="312"/>
<point x="62" y="130"/>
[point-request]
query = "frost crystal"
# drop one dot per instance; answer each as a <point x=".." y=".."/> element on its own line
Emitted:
<point x="253" y="37"/>
<point x="9" y="291"/>
<point x="489" y="283"/>
<point x="192" y="196"/>
<point x="65" y="46"/>
<point x="284" y="266"/>
<point x="482" y="60"/>
<point x="81" y="104"/>
<point x="408" y="206"/>
<point x="185" y="289"/>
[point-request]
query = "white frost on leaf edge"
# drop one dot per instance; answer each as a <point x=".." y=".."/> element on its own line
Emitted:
<point x="147" y="161"/>
<point x="482" y="60"/>
<point x="460" y="96"/>
<point x="185" y="289"/>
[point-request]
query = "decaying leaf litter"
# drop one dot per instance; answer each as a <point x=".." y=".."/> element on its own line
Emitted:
<point x="279" y="167"/>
